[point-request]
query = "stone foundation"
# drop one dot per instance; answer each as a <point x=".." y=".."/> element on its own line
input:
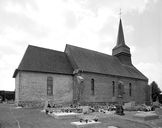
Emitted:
<point x="97" y="103"/>
<point x="31" y="104"/>
<point x="40" y="104"/>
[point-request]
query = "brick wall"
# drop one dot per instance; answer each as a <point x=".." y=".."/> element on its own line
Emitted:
<point x="33" y="87"/>
<point x="104" y="89"/>
<point x="140" y="91"/>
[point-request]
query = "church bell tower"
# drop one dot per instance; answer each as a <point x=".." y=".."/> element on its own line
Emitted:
<point x="121" y="50"/>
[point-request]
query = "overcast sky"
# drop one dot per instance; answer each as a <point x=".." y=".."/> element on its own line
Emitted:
<point x="91" y="24"/>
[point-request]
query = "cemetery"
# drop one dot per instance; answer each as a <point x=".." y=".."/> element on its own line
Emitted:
<point x="91" y="115"/>
<point x="82" y="115"/>
<point x="72" y="116"/>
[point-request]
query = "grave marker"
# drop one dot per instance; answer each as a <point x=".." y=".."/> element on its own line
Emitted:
<point x="84" y="124"/>
<point x="146" y="116"/>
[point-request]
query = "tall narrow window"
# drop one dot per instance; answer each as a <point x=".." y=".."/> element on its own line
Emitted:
<point x="92" y="87"/>
<point x="49" y="86"/>
<point x="113" y="86"/>
<point x="130" y="89"/>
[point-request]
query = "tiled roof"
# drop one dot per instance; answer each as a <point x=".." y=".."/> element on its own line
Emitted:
<point x="96" y="62"/>
<point x="38" y="59"/>
<point x="45" y="60"/>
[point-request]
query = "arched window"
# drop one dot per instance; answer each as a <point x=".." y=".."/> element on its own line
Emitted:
<point x="92" y="87"/>
<point x="49" y="86"/>
<point x="130" y="89"/>
<point x="113" y="87"/>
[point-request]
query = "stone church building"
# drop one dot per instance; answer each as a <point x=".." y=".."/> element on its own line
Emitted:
<point x="79" y="75"/>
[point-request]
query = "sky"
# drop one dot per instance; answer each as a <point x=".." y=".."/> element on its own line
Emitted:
<point x="91" y="24"/>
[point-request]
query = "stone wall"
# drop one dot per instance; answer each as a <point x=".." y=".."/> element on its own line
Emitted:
<point x="17" y="82"/>
<point x="33" y="87"/>
<point x="140" y="91"/>
<point x="104" y="90"/>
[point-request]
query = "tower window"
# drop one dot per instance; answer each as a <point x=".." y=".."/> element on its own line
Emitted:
<point x="113" y="86"/>
<point x="49" y="86"/>
<point x="130" y="89"/>
<point x="92" y="87"/>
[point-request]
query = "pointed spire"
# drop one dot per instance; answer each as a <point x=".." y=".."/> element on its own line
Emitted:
<point x="121" y="50"/>
<point x="120" y="37"/>
<point x="120" y="47"/>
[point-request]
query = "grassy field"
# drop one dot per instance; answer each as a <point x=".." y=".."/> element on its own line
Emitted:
<point x="10" y="117"/>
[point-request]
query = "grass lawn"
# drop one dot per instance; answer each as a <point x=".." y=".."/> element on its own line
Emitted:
<point x="10" y="117"/>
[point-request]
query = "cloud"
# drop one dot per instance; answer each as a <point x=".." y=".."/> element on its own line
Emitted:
<point x="7" y="64"/>
<point x="71" y="20"/>
<point x="91" y="24"/>
<point x="125" y="5"/>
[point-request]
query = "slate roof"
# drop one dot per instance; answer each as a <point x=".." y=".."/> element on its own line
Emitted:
<point x="120" y="37"/>
<point x="38" y="59"/>
<point x="96" y="62"/>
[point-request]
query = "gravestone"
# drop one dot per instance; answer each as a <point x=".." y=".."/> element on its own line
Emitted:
<point x="158" y="111"/>
<point x="119" y="106"/>
<point x="119" y="110"/>
<point x="79" y="124"/>
<point x="146" y="116"/>
<point x="63" y="115"/>
<point x="86" y="109"/>
<point x="112" y="127"/>
<point x="45" y="104"/>
<point x="129" y="104"/>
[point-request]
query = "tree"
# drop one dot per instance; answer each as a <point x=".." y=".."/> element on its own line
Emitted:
<point x="155" y="91"/>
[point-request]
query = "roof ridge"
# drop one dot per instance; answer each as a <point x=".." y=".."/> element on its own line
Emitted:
<point x="44" y="48"/>
<point x="89" y="50"/>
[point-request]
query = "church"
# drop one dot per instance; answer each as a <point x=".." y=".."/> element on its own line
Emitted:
<point x="79" y="75"/>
